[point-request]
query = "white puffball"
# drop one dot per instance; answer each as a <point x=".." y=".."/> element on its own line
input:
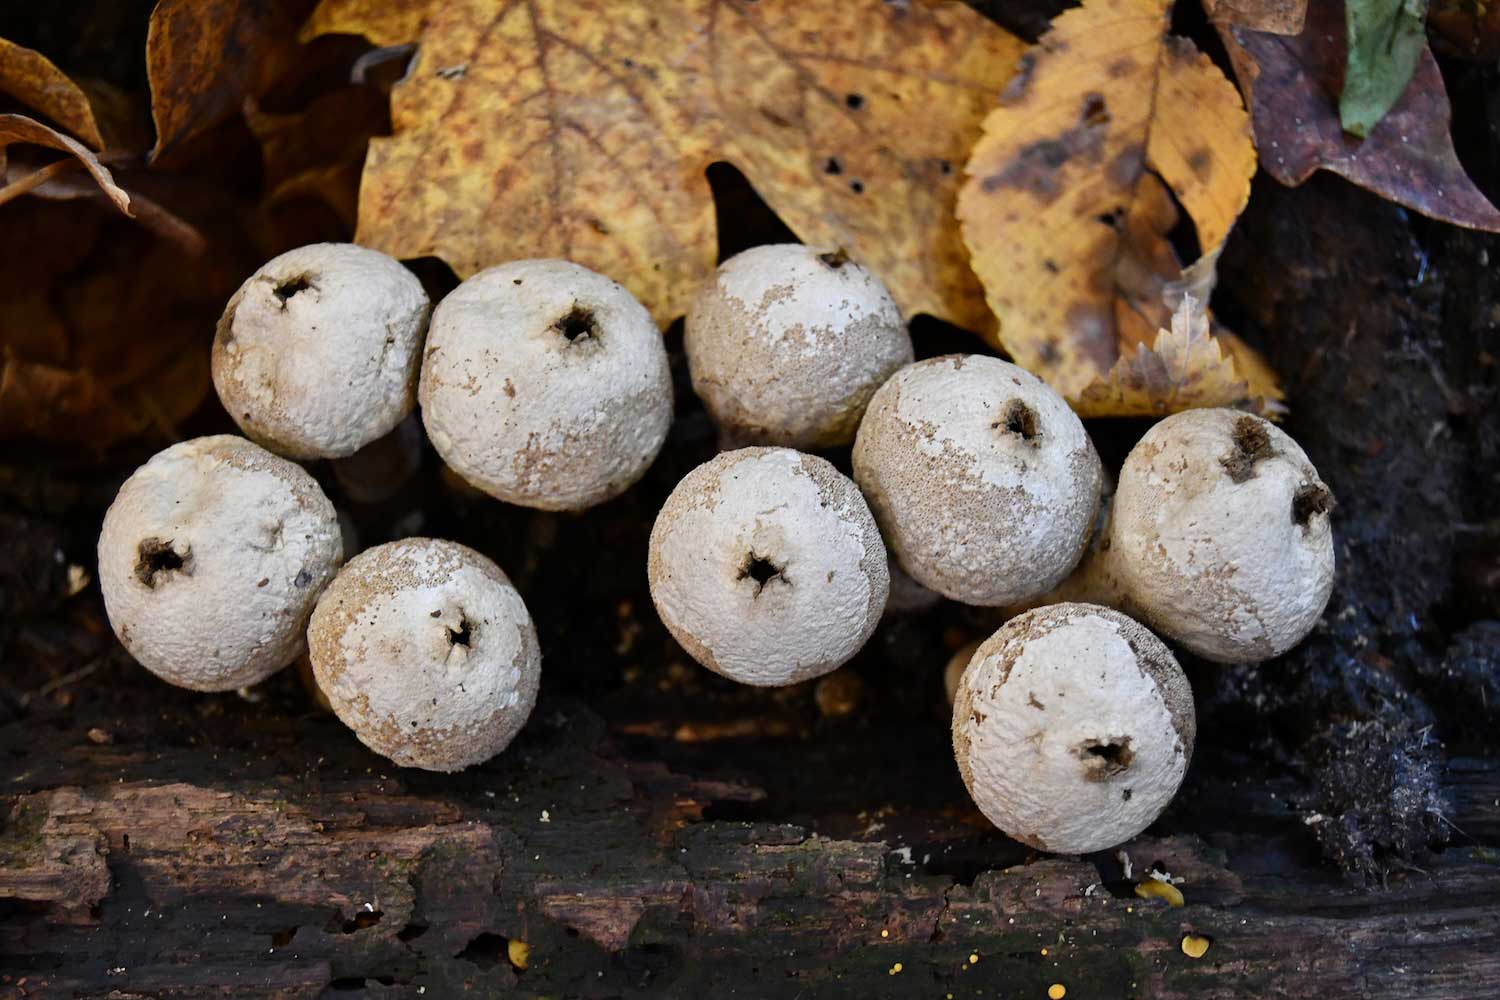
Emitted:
<point x="427" y="652"/>
<point x="983" y="480"/>
<point x="1072" y="728"/>
<point x="211" y="558"/>
<point x="767" y="567"/>
<point x="1220" y="536"/>
<point x="786" y="345"/>
<point x="317" y="353"/>
<point x="546" y="385"/>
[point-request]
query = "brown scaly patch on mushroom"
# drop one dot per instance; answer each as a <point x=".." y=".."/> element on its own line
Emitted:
<point x="786" y="345"/>
<point x="984" y="482"/>
<point x="1220" y="537"/>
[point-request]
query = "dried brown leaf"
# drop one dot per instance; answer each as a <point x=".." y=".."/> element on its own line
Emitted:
<point x="1184" y="367"/>
<point x="1279" y="17"/>
<point x="204" y="57"/>
<point x="1293" y="84"/>
<point x="31" y="78"/>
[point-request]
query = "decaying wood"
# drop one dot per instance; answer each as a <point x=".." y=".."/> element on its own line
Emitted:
<point x="296" y="867"/>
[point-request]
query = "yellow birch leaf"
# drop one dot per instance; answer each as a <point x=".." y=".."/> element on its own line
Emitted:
<point x="1069" y="198"/>
<point x="1183" y="367"/>
<point x="583" y="129"/>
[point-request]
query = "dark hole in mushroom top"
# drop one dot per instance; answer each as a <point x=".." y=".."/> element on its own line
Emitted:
<point x="463" y="635"/>
<point x="1310" y="500"/>
<point x="1252" y="443"/>
<point x="577" y="324"/>
<point x="836" y="259"/>
<point x="762" y="571"/>
<point x="1103" y="759"/>
<point x="156" y="558"/>
<point x="291" y="286"/>
<point x="1019" y="419"/>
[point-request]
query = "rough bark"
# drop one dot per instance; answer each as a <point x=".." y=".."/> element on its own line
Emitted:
<point x="292" y="867"/>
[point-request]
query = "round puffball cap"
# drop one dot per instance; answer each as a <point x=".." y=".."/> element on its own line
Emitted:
<point x="546" y="385"/>
<point x="211" y="559"/>
<point x="786" y="344"/>
<point x="766" y="566"/>
<point x="983" y="480"/>
<point x="425" y="649"/>
<point x="1073" y="727"/>
<point x="317" y="354"/>
<point x="1220" y="535"/>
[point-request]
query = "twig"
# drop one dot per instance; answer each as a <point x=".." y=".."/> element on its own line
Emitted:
<point x="35" y="179"/>
<point x="57" y="682"/>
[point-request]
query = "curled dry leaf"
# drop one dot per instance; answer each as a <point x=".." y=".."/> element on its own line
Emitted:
<point x="582" y="130"/>
<point x="1293" y="83"/>
<point x="1069" y="197"/>
<point x="1181" y="368"/>
<point x="19" y="128"/>
<point x="76" y="276"/>
<point x="1280" y="17"/>
<point x="204" y="57"/>
<point x="31" y="78"/>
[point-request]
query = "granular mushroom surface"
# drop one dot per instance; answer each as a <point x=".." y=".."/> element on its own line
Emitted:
<point x="1220" y="536"/>
<point x="545" y="385"/>
<point x="425" y="649"/>
<point x="317" y="353"/>
<point x="767" y="567"/>
<point x="1072" y="728"/>
<point x="211" y="558"/>
<point x="984" y="482"/>
<point x="786" y="345"/>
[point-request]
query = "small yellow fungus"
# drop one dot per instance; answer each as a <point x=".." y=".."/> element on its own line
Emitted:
<point x="1056" y="991"/>
<point x="520" y="951"/>
<point x="885" y="933"/>
<point x="1156" y="889"/>
<point x="974" y="958"/>
<point x="1195" y="945"/>
<point x="895" y="968"/>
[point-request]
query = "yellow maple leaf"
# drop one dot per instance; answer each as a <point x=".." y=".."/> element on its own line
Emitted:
<point x="582" y="130"/>
<point x="1069" y="197"/>
<point x="1181" y="368"/>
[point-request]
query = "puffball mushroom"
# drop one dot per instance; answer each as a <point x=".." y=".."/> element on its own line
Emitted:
<point x="545" y="385"/>
<point x="211" y="558"/>
<point x="767" y="567"/>
<point x="1220" y="535"/>
<point x="1073" y="727"/>
<point x="786" y="345"/>
<point x="984" y="482"/>
<point x="317" y="353"/>
<point x="427" y="652"/>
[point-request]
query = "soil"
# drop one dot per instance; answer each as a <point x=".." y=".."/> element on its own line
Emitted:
<point x="658" y="830"/>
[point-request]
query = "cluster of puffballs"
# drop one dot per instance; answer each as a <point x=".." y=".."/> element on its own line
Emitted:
<point x="544" y="384"/>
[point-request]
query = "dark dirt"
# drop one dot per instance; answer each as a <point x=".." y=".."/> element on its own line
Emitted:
<point x="1343" y="755"/>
